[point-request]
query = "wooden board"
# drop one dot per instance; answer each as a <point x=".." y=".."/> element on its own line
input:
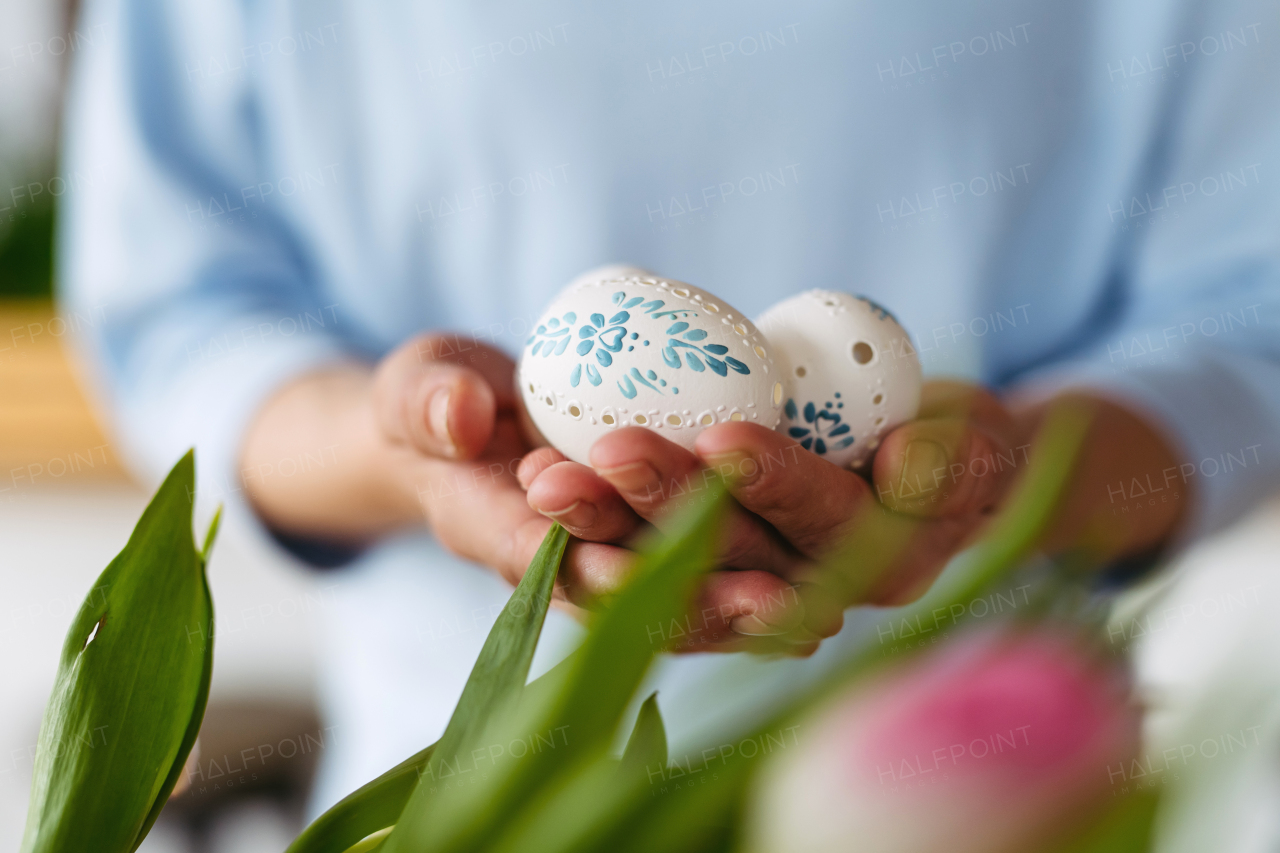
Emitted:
<point x="49" y="433"/>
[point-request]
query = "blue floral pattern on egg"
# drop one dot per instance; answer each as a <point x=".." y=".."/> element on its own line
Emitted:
<point x="851" y="370"/>
<point x="823" y="429"/>
<point x="640" y="350"/>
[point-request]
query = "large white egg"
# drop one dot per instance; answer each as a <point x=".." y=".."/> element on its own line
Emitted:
<point x="627" y="348"/>
<point x="852" y="373"/>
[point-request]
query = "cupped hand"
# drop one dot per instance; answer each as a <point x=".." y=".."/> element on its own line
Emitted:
<point x="454" y="420"/>
<point x="930" y="487"/>
<point x="448" y="412"/>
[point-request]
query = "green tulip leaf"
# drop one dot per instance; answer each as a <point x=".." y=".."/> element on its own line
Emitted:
<point x="647" y="746"/>
<point x="371" y="808"/>
<point x="597" y="687"/>
<point x="495" y="683"/>
<point x="131" y="688"/>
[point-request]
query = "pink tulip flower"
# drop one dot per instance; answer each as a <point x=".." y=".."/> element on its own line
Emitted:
<point x="996" y="743"/>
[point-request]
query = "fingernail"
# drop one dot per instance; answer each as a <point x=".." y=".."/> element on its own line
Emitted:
<point x="920" y="465"/>
<point x="578" y="515"/>
<point x="634" y="479"/>
<point x="438" y="418"/>
<point x="751" y="625"/>
<point x="740" y="469"/>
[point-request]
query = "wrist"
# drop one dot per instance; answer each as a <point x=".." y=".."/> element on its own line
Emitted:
<point x="348" y="488"/>
<point x="1117" y="504"/>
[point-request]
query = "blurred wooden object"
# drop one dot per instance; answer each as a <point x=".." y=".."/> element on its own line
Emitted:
<point x="49" y="433"/>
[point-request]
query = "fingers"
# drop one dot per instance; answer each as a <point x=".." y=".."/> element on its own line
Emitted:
<point x="586" y="505"/>
<point x="437" y="407"/>
<point x="807" y="499"/>
<point x="943" y="467"/>
<point x="535" y="462"/>
<point x="491" y="523"/>
<point x="657" y="478"/>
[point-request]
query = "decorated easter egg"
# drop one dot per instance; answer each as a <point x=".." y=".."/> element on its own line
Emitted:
<point x="852" y="373"/>
<point x="627" y="348"/>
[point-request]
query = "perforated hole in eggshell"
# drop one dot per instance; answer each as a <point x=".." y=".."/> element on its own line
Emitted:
<point x="800" y="371"/>
<point x="531" y="391"/>
<point x="575" y="410"/>
<point x="607" y="419"/>
<point x="777" y="393"/>
<point x="640" y="419"/>
<point x="877" y="399"/>
<point x="675" y="420"/>
<point x="863" y="352"/>
<point x="736" y="416"/>
<point x="550" y="401"/>
<point x="759" y="350"/>
<point x="706" y="419"/>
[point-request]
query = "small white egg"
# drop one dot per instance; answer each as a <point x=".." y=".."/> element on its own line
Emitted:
<point x="852" y="373"/>
<point x="623" y="347"/>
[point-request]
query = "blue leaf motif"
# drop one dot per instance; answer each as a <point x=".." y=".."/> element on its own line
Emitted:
<point x="593" y="375"/>
<point x="845" y="442"/>
<point x="576" y="376"/>
<point x="677" y="328"/>
<point x="820" y="446"/>
<point x="619" y="318"/>
<point x="791" y="408"/>
<point x="695" y="335"/>
<point x="571" y="318"/>
<point x="537" y="347"/>
<point x="628" y="390"/>
<point x="840" y="430"/>
<point x="715" y="349"/>
<point x="797" y="432"/>
<point x="586" y="331"/>
<point x="737" y="365"/>
<point x="585" y="346"/>
<point x="807" y="443"/>
<point x="693" y="362"/>
<point x="597" y="320"/>
<point x="633" y="302"/>
<point x="635" y="374"/>
<point x="809" y="412"/>
<point x="553" y="323"/>
<point x="604" y="358"/>
<point x="717" y="365"/>
<point x="563" y="345"/>
<point x="618" y="297"/>
<point x="653" y="305"/>
<point x="670" y="357"/>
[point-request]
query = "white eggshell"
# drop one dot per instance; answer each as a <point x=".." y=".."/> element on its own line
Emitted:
<point x="626" y="348"/>
<point x="852" y="372"/>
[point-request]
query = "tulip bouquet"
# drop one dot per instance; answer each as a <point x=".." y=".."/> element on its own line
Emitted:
<point x="996" y="740"/>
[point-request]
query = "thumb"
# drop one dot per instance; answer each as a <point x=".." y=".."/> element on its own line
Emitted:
<point x="437" y="408"/>
<point x="940" y="467"/>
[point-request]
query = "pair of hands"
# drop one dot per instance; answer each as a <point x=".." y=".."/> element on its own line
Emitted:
<point x="461" y="447"/>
